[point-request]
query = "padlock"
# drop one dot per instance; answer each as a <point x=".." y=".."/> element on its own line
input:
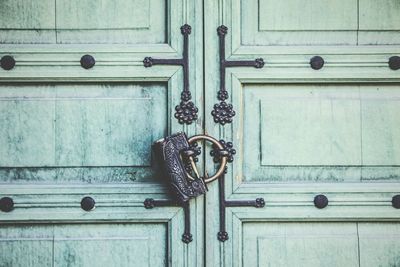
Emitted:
<point x="176" y="157"/>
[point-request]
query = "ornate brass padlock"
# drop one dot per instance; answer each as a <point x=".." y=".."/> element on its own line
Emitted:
<point x="177" y="157"/>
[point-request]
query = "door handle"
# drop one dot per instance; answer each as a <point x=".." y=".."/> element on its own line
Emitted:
<point x="221" y="151"/>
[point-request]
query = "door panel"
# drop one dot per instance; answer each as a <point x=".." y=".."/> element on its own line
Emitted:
<point x="301" y="132"/>
<point x="26" y="21"/>
<point x="96" y="129"/>
<point x="136" y="22"/>
<point x="70" y="132"/>
<point x="319" y="244"/>
<point x="295" y="22"/>
<point x="84" y="22"/>
<point x="300" y="244"/>
<point x="84" y="245"/>
<point x="320" y="133"/>
<point x="379" y="244"/>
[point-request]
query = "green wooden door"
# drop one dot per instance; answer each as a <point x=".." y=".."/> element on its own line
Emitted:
<point x="69" y="132"/>
<point x="301" y="132"/>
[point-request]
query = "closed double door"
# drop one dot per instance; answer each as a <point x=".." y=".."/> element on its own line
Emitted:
<point x="315" y="129"/>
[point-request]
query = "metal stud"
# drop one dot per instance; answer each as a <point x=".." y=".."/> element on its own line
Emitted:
<point x="320" y="201"/>
<point x="396" y="201"/>
<point x="88" y="203"/>
<point x="394" y="62"/>
<point x="317" y="62"/>
<point x="6" y="204"/>
<point x="87" y="61"/>
<point x="7" y="62"/>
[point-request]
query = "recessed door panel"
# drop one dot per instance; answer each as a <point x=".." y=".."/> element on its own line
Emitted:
<point x="129" y="21"/>
<point x="379" y="244"/>
<point x="84" y="22"/>
<point x="294" y="22"/>
<point x="84" y="245"/>
<point x="320" y="133"/>
<point x="300" y="244"/>
<point x="92" y="132"/>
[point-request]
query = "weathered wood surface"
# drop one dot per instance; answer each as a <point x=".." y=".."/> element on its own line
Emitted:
<point x="67" y="132"/>
<point x="299" y="132"/>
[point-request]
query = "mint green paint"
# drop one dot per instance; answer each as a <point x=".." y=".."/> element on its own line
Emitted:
<point x="314" y="133"/>
<point x="326" y="23"/>
<point x="83" y="22"/>
<point x="73" y="132"/>
<point x="84" y="245"/>
<point x="96" y="129"/>
<point x="300" y="244"/>
<point x="303" y="16"/>
<point x="26" y="15"/>
<point x="379" y="244"/>
<point x="298" y="132"/>
<point x="131" y="14"/>
<point x="80" y="125"/>
<point x="375" y="16"/>
<point x="320" y="244"/>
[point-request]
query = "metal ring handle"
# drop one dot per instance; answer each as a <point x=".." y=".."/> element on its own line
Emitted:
<point x="219" y="146"/>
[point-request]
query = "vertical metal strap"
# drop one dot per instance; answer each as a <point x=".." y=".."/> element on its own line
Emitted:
<point x="186" y="111"/>
<point x="223" y="112"/>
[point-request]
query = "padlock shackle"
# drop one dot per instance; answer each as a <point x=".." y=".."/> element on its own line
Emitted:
<point x="224" y="160"/>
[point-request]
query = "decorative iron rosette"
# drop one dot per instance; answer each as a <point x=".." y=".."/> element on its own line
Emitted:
<point x="223" y="113"/>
